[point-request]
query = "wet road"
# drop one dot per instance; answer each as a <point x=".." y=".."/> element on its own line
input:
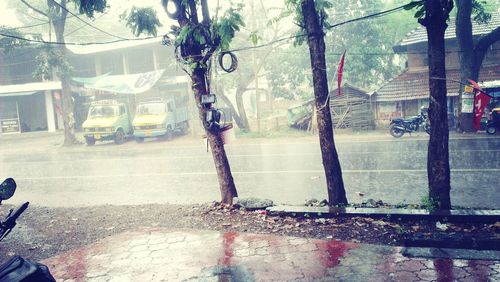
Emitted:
<point x="287" y="172"/>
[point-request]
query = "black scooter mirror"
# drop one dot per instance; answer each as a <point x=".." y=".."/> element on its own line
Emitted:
<point x="7" y="189"/>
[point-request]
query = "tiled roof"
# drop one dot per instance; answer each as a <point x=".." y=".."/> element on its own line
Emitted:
<point x="411" y="85"/>
<point x="419" y="34"/>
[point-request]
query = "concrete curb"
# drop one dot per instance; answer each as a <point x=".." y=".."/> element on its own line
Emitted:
<point x="477" y="216"/>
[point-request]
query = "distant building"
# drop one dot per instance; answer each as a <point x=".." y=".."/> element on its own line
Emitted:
<point x="27" y="104"/>
<point x="403" y="95"/>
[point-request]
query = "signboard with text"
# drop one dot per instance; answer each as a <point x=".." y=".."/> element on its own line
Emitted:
<point x="10" y="126"/>
<point x="467" y="103"/>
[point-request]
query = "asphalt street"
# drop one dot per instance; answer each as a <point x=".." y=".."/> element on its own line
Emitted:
<point x="284" y="170"/>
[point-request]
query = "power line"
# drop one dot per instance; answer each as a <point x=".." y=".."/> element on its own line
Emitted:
<point x="27" y="26"/>
<point x="77" y="29"/>
<point x="75" y="43"/>
<point x="375" y="15"/>
<point x="87" y="23"/>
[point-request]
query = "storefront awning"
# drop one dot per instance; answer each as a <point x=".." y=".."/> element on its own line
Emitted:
<point x="122" y="84"/>
<point x="28" y="88"/>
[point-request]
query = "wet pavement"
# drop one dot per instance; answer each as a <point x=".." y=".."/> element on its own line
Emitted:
<point x="158" y="254"/>
<point x="286" y="170"/>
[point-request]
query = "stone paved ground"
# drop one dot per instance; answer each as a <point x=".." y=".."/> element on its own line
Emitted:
<point x="158" y="254"/>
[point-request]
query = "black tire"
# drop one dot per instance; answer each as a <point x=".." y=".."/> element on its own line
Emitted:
<point x="396" y="132"/>
<point x="119" y="137"/>
<point x="427" y="128"/>
<point x="139" y="139"/>
<point x="90" y="141"/>
<point x="491" y="129"/>
<point x="169" y="134"/>
<point x="185" y="128"/>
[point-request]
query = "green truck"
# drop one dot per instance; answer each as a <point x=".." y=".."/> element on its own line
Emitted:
<point x="107" y="120"/>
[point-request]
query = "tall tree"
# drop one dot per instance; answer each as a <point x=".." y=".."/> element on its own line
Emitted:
<point x="435" y="16"/>
<point x="471" y="52"/>
<point x="197" y="39"/>
<point x="311" y="16"/>
<point x="56" y="13"/>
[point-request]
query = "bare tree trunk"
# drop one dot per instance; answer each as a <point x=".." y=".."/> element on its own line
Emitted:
<point x="331" y="163"/>
<point x="67" y="100"/>
<point x="241" y="109"/>
<point x="235" y="114"/>
<point x="471" y="54"/>
<point x="438" y="166"/>
<point x="466" y="54"/>
<point x="199" y="85"/>
<point x="226" y="182"/>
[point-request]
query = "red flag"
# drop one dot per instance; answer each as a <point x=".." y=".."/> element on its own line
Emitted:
<point x="339" y="71"/>
<point x="481" y="99"/>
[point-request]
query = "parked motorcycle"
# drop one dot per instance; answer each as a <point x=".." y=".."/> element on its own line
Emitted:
<point x="400" y="126"/>
<point x="18" y="269"/>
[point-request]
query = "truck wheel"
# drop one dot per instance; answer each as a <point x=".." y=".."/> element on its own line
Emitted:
<point x="90" y="141"/>
<point x="185" y="128"/>
<point x="119" y="137"/>
<point x="169" y="133"/>
<point x="139" y="139"/>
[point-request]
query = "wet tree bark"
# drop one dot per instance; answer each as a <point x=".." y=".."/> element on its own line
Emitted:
<point x="226" y="182"/>
<point x="67" y="100"/>
<point x="193" y="51"/>
<point x="471" y="55"/>
<point x="438" y="166"/>
<point x="331" y="163"/>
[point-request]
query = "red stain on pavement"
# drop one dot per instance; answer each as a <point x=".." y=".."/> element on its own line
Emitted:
<point x="227" y="243"/>
<point x="330" y="252"/>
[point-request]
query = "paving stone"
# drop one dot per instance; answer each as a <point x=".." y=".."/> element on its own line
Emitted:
<point x="192" y="255"/>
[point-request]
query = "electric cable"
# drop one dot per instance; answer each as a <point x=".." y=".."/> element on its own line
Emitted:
<point x="87" y="23"/>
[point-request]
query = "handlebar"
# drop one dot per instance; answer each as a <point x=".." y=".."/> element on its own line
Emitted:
<point x="10" y="220"/>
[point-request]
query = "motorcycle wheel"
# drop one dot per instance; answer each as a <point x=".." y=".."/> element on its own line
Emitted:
<point x="491" y="130"/>
<point x="396" y="132"/>
<point x="427" y="129"/>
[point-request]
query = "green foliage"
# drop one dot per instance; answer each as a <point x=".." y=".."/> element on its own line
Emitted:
<point x="254" y="38"/>
<point x="295" y="9"/>
<point x="370" y="59"/>
<point x="479" y="12"/>
<point x="226" y="28"/>
<point x="429" y="204"/>
<point x="51" y="58"/>
<point x="88" y="7"/>
<point x="141" y="20"/>
<point x="7" y="44"/>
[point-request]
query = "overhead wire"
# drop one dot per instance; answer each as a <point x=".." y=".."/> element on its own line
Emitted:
<point x="87" y="23"/>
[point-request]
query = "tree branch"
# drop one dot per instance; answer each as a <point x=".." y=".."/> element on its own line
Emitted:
<point x="483" y="44"/>
<point x="194" y="12"/>
<point x="205" y="13"/>
<point x="34" y="9"/>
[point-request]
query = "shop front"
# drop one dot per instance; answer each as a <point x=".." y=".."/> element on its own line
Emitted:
<point x="28" y="107"/>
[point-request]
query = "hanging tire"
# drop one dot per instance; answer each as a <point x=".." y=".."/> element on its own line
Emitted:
<point x="396" y="132"/>
<point x="90" y="141"/>
<point x="491" y="129"/>
<point x="119" y="137"/>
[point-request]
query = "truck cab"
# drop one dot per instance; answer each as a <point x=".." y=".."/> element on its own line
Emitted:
<point x="107" y="120"/>
<point x="158" y="118"/>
